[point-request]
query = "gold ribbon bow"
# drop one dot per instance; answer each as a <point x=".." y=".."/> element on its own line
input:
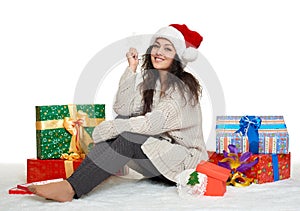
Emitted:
<point x="80" y="138"/>
<point x="236" y="178"/>
<point x="74" y="127"/>
<point x="72" y="156"/>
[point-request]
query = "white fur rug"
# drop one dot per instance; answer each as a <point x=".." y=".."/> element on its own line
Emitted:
<point x="119" y="193"/>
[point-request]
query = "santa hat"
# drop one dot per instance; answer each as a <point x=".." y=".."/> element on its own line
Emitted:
<point x="184" y="40"/>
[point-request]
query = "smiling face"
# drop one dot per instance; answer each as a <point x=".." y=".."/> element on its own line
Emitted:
<point x="162" y="54"/>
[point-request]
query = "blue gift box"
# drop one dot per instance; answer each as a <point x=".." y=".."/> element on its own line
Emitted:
<point x="272" y="135"/>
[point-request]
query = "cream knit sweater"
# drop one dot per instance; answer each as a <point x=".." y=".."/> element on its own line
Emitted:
<point x="171" y="118"/>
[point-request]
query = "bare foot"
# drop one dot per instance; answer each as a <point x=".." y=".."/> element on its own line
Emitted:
<point x="58" y="191"/>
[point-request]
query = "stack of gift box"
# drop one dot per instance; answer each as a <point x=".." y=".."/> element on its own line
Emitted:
<point x="63" y="138"/>
<point x="249" y="149"/>
<point x="265" y="137"/>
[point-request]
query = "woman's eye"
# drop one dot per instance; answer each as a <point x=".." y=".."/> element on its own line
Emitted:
<point x="168" y="49"/>
<point x="155" y="46"/>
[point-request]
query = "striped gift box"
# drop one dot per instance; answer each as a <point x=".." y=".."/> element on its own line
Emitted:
<point x="273" y="135"/>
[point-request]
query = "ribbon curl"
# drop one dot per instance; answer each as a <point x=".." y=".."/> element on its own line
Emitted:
<point x="239" y="180"/>
<point x="238" y="165"/>
<point x="72" y="156"/>
<point x="249" y="126"/>
<point x="75" y="127"/>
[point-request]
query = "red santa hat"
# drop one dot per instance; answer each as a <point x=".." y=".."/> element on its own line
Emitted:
<point x="184" y="40"/>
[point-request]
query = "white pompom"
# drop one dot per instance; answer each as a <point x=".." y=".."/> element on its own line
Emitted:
<point x="190" y="54"/>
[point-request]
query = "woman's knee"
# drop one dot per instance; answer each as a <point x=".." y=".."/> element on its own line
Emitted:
<point x="126" y="134"/>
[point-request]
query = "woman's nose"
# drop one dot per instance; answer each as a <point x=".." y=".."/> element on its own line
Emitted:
<point x="159" y="51"/>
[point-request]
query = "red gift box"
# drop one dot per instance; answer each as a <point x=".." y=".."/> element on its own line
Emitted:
<point x="216" y="178"/>
<point x="270" y="167"/>
<point x="39" y="170"/>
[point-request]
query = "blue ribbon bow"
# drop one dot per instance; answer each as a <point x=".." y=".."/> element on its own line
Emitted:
<point x="249" y="126"/>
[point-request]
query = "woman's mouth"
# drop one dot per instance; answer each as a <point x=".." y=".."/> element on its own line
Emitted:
<point x="158" y="59"/>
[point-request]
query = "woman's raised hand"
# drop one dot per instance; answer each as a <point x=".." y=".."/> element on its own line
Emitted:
<point x="132" y="57"/>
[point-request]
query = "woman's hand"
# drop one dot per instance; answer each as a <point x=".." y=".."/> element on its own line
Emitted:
<point x="132" y="57"/>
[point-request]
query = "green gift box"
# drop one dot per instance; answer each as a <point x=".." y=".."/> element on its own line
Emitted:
<point x="62" y="129"/>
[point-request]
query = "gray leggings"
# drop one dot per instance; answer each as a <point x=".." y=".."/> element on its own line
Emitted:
<point x="107" y="158"/>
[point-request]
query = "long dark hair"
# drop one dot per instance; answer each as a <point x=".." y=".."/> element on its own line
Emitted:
<point x="187" y="84"/>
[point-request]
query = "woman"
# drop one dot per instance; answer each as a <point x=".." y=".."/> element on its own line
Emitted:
<point x="159" y="129"/>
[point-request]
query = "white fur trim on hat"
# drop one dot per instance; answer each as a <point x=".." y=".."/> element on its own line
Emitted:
<point x="174" y="36"/>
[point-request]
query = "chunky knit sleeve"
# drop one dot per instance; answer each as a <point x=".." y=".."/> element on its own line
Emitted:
<point x="165" y="117"/>
<point x="126" y="93"/>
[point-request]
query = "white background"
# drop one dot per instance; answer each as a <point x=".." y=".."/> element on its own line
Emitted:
<point x="253" y="46"/>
